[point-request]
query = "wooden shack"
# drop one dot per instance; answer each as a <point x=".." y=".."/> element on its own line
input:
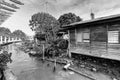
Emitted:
<point x="98" y="37"/>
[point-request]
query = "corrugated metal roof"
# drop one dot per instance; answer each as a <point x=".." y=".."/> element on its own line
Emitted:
<point x="17" y="2"/>
<point x="8" y="7"/>
<point x="94" y="20"/>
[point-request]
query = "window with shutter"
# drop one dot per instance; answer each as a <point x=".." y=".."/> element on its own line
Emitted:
<point x="79" y="37"/>
<point x="83" y="37"/>
<point x="86" y="37"/>
<point x="113" y="36"/>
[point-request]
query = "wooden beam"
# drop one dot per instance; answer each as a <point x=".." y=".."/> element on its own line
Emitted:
<point x="9" y="5"/>
<point x="8" y="9"/>
<point x="75" y="37"/>
<point x="3" y="18"/>
<point x="107" y="39"/>
<point x="1" y="14"/>
<point x="90" y="40"/>
<point x="69" y="44"/>
<point x="5" y="12"/>
<point x="17" y="2"/>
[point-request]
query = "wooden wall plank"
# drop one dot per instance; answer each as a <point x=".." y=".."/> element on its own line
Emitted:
<point x="114" y="49"/>
<point x="72" y="37"/>
<point x="98" y="45"/>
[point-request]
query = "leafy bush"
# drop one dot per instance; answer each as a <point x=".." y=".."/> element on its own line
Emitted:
<point x="56" y="48"/>
<point x="62" y="44"/>
<point x="4" y="59"/>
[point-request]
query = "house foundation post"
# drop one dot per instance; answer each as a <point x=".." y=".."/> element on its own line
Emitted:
<point x="68" y="51"/>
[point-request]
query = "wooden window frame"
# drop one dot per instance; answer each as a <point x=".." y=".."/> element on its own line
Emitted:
<point x="117" y="37"/>
<point x="84" y="38"/>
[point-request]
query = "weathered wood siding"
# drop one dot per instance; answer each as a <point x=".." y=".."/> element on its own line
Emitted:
<point x="98" y="39"/>
<point x="98" y="45"/>
<point x="72" y="37"/>
<point x="114" y="49"/>
<point x="81" y="47"/>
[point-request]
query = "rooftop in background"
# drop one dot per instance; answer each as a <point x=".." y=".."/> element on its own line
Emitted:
<point x="95" y="21"/>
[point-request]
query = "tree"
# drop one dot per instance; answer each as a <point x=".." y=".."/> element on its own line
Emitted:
<point x="20" y="34"/>
<point x="5" y="30"/>
<point x="68" y="18"/>
<point x="44" y="23"/>
<point x="40" y="37"/>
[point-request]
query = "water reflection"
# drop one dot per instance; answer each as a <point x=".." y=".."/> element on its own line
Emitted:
<point x="28" y="68"/>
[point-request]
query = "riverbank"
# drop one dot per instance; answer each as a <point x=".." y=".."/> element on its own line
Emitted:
<point x="9" y="75"/>
<point x="92" y="75"/>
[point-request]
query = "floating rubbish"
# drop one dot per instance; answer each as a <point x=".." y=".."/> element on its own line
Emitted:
<point x="66" y="66"/>
<point x="71" y="72"/>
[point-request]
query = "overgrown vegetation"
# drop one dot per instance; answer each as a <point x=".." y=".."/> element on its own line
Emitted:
<point x="105" y="66"/>
<point x="4" y="59"/>
<point x="26" y="45"/>
<point x="57" y="48"/>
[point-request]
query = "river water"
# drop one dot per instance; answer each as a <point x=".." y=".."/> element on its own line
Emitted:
<point x="27" y="68"/>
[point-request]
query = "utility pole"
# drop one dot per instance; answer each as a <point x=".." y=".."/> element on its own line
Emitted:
<point x="46" y="3"/>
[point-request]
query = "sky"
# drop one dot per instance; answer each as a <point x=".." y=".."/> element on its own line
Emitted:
<point x="82" y="8"/>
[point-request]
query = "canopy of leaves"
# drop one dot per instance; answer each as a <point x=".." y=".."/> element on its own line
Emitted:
<point x="20" y="34"/>
<point x="5" y="30"/>
<point x="44" y="23"/>
<point x="68" y="18"/>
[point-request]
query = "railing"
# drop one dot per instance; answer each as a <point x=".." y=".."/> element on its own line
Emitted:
<point x="5" y="44"/>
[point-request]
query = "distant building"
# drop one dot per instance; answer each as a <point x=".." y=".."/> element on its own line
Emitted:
<point x="5" y="38"/>
<point x="31" y="38"/>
